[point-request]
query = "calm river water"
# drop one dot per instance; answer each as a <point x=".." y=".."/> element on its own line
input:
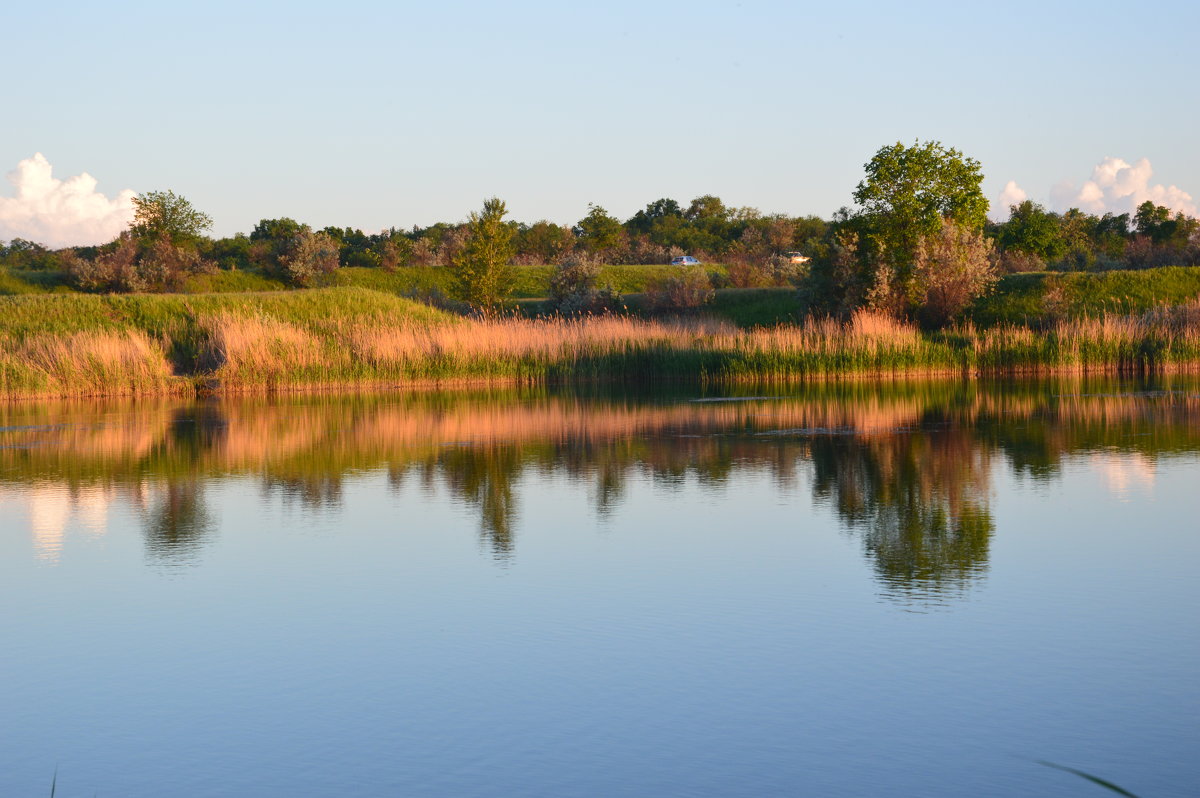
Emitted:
<point x="909" y="589"/>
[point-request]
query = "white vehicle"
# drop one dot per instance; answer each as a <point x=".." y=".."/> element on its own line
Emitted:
<point x="684" y="260"/>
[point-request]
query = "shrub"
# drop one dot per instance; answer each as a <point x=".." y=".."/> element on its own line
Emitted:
<point x="114" y="270"/>
<point x="686" y="291"/>
<point x="127" y="267"/>
<point x="573" y="287"/>
<point x="951" y="269"/>
<point x="310" y="258"/>
<point x="164" y="267"/>
<point x="1013" y="261"/>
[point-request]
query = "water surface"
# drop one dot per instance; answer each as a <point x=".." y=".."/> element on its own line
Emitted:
<point x="905" y="589"/>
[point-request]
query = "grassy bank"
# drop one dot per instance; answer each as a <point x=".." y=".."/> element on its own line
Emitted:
<point x="81" y="345"/>
<point x="1037" y="296"/>
<point x="1031" y="298"/>
<point x="528" y="282"/>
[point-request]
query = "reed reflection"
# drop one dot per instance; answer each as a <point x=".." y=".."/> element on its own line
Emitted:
<point x="906" y="467"/>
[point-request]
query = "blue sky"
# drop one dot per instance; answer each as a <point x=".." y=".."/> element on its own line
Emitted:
<point x="379" y="114"/>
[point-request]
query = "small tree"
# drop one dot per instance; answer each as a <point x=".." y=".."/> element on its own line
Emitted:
<point x="481" y="267"/>
<point x="951" y="269"/>
<point x="164" y="213"/>
<point x="310" y="257"/>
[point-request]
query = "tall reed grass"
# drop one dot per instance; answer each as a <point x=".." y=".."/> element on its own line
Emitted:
<point x="148" y="345"/>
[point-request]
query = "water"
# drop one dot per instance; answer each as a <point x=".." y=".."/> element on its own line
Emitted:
<point x="912" y="589"/>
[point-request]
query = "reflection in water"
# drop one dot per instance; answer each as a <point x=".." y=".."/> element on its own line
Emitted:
<point x="49" y="509"/>
<point x="177" y="522"/>
<point x="1125" y="474"/>
<point x="907" y="467"/>
<point x="918" y="498"/>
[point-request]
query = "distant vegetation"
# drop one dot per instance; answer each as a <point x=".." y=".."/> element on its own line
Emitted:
<point x="491" y="298"/>
<point x="916" y="245"/>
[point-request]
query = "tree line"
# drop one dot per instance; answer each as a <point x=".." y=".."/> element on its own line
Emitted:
<point x="916" y="242"/>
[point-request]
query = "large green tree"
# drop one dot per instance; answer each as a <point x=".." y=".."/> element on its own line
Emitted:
<point x="158" y="214"/>
<point x="481" y="268"/>
<point x="908" y="191"/>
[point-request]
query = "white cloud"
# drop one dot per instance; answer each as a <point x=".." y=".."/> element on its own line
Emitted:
<point x="61" y="213"/>
<point x="1117" y="186"/>
<point x="1011" y="195"/>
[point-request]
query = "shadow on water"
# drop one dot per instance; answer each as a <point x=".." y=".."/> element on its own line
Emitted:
<point x="906" y="467"/>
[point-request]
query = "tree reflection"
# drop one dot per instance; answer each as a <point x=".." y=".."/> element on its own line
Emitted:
<point x="177" y="522"/>
<point x="919" y="499"/>
<point x="484" y="477"/>
<point x="905" y="467"/>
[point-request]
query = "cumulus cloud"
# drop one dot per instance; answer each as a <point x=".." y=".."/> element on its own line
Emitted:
<point x="1011" y="195"/>
<point x="60" y="213"/>
<point x="1117" y="186"/>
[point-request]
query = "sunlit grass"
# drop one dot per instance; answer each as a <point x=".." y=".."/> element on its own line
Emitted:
<point x="97" y="345"/>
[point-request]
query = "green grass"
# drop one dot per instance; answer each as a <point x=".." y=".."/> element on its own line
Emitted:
<point x="528" y="282"/>
<point x="1037" y="296"/>
<point x="162" y="314"/>
<point x="758" y="307"/>
<point x="232" y="282"/>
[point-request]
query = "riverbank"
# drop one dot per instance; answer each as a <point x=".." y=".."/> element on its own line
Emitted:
<point x="85" y="345"/>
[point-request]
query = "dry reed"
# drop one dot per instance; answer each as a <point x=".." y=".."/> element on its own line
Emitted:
<point x="258" y="350"/>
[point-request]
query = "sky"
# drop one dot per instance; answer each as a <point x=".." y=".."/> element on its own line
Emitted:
<point x="375" y="115"/>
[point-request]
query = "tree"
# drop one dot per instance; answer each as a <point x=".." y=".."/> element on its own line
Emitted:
<point x="907" y="192"/>
<point x="1153" y="221"/>
<point x="164" y="213"/>
<point x="643" y="221"/>
<point x="598" y="231"/>
<point x="481" y="267"/>
<point x="544" y="242"/>
<point x="1032" y="229"/>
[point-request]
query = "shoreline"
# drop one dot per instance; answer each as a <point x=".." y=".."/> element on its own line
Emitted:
<point x="187" y="388"/>
<point x="362" y="340"/>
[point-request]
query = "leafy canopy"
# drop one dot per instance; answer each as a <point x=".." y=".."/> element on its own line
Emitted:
<point x="158" y="214"/>
<point x="908" y="191"/>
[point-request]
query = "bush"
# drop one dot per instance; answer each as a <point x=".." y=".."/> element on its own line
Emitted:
<point x="310" y="258"/>
<point x="125" y="267"/>
<point x="951" y="269"/>
<point x="165" y="267"/>
<point x="1015" y="261"/>
<point x="686" y="291"/>
<point x="573" y="288"/>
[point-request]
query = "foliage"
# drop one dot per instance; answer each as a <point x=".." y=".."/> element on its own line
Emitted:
<point x="907" y="192"/>
<point x="310" y="258"/>
<point x="22" y="254"/>
<point x="574" y="290"/>
<point x="598" y="231"/>
<point x="951" y="269"/>
<point x="164" y="213"/>
<point x="543" y="242"/>
<point x="128" y="266"/>
<point x="482" y="266"/>
<point x="687" y="290"/>
<point x="1033" y="231"/>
